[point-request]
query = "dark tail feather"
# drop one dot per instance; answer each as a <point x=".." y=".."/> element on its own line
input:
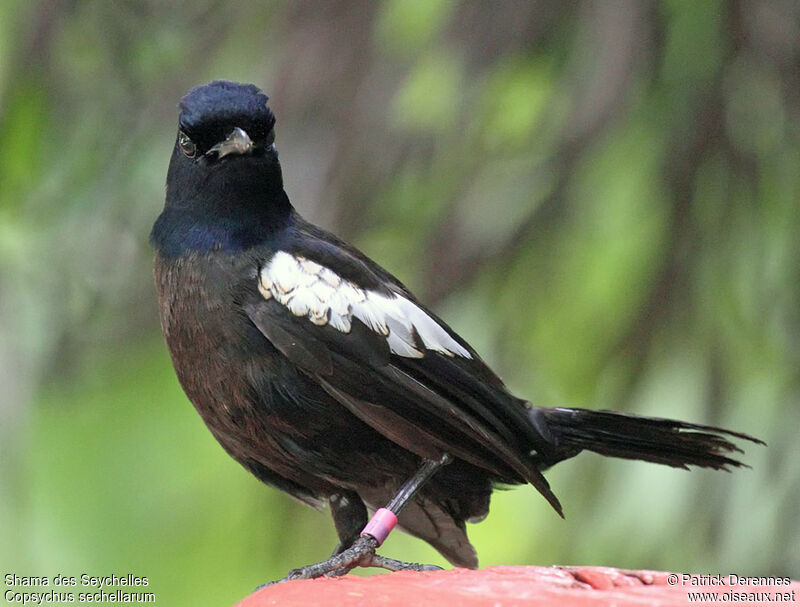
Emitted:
<point x="663" y="441"/>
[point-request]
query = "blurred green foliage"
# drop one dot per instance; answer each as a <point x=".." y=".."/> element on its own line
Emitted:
<point x="604" y="198"/>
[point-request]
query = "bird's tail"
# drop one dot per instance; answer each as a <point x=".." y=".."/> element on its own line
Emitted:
<point x="663" y="441"/>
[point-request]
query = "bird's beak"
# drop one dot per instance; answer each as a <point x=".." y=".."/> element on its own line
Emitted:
<point x="238" y="142"/>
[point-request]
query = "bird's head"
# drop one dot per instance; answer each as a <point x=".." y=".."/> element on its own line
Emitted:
<point x="223" y="119"/>
<point x="224" y="184"/>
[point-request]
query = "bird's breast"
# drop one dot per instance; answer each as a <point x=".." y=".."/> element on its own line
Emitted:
<point x="209" y="340"/>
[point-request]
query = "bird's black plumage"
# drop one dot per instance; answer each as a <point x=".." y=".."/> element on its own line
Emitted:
<point x="322" y="374"/>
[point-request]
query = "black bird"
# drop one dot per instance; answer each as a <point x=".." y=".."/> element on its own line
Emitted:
<point x="322" y="374"/>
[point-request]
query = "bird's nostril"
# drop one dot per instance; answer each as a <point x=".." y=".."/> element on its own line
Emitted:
<point x="237" y="142"/>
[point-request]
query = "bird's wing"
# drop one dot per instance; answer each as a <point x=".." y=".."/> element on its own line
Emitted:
<point x="392" y="363"/>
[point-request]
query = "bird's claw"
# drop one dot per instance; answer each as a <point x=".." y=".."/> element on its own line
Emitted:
<point x="360" y="554"/>
<point x="294" y="574"/>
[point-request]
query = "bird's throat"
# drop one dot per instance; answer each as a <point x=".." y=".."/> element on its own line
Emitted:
<point x="232" y="207"/>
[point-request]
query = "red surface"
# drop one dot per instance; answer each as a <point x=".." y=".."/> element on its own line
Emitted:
<point x="506" y="586"/>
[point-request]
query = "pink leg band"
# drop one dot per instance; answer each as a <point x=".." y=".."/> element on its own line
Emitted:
<point x="380" y="525"/>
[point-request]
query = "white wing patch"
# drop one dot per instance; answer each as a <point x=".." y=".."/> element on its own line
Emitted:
<point x="308" y="289"/>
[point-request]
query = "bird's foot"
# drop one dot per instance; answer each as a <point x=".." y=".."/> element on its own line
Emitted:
<point x="360" y="554"/>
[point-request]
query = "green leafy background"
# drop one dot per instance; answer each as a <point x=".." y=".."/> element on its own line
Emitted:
<point x="603" y="197"/>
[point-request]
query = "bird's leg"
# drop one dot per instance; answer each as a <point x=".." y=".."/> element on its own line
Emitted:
<point x="361" y="553"/>
<point x="349" y="517"/>
<point x="415" y="483"/>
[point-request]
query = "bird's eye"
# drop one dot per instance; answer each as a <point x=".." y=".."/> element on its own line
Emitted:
<point x="187" y="145"/>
